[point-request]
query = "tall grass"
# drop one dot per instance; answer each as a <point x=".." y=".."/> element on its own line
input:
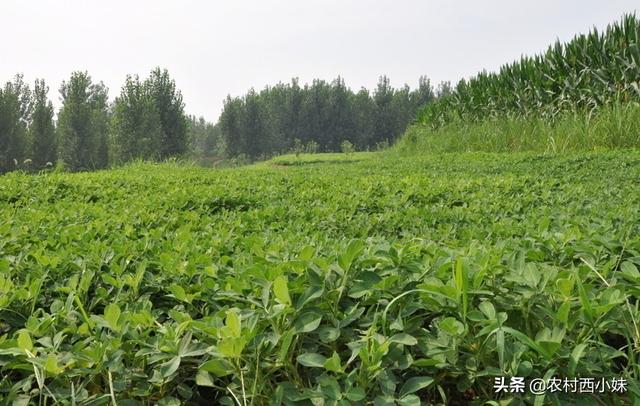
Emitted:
<point x="607" y="127"/>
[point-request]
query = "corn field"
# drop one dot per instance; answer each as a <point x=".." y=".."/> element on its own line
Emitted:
<point x="591" y="70"/>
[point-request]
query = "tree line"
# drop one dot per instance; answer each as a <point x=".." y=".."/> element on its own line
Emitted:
<point x="147" y="121"/>
<point x="319" y="116"/>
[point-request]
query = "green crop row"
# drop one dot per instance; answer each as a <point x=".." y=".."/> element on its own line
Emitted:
<point x="592" y="70"/>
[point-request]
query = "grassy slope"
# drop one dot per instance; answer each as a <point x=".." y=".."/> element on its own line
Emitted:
<point x="615" y="126"/>
<point x="480" y="240"/>
<point x="321" y="158"/>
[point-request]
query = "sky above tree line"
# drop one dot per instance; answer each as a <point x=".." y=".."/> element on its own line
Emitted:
<point x="213" y="49"/>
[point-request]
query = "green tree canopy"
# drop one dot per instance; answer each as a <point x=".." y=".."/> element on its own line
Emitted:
<point x="42" y="130"/>
<point x="83" y="123"/>
<point x="136" y="127"/>
<point x="15" y="108"/>
<point x="320" y="115"/>
<point x="170" y="107"/>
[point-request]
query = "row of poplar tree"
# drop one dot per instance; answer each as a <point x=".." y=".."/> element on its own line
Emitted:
<point x="320" y="116"/>
<point x="146" y="121"/>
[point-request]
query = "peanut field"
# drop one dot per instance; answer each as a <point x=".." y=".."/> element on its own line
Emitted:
<point x="364" y="279"/>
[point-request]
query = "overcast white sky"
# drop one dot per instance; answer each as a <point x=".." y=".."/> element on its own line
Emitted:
<point x="215" y="48"/>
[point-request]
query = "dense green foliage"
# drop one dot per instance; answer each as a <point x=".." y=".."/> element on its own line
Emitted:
<point x="322" y="114"/>
<point x="136" y="123"/>
<point x="582" y="95"/>
<point x="42" y="132"/>
<point x="14" y="116"/>
<point x="606" y="127"/>
<point x="170" y="107"/>
<point x="306" y="282"/>
<point x="149" y="122"/>
<point x="146" y="122"/>
<point x="594" y="69"/>
<point x="205" y="138"/>
<point x="83" y="123"/>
